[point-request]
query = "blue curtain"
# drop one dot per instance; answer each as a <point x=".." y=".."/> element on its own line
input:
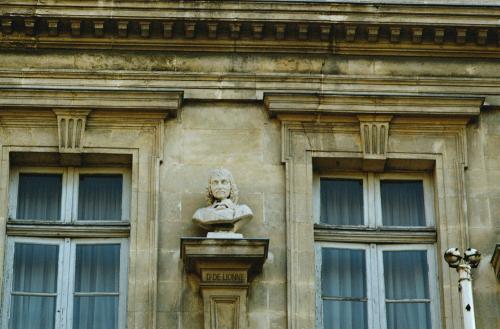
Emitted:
<point x="405" y="277"/>
<point x="343" y="288"/>
<point x="97" y="280"/>
<point x="35" y="272"/>
<point x="402" y="203"/>
<point x="100" y="197"/>
<point x="341" y="201"/>
<point x="39" y="197"/>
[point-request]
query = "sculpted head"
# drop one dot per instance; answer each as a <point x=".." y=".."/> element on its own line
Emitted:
<point x="221" y="186"/>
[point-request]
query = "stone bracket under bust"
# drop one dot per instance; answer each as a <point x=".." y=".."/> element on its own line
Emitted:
<point x="223" y="216"/>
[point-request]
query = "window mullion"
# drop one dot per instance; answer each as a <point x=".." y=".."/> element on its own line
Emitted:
<point x="429" y="202"/>
<point x="367" y="201"/>
<point x="378" y="200"/>
<point x="372" y="206"/>
<point x="378" y="258"/>
<point x="9" y="261"/>
<point x="371" y="278"/>
<point x="73" y="187"/>
<point x="65" y="283"/>
<point x="433" y="280"/>
<point x="14" y="186"/>
<point x="319" y="292"/>
<point x="122" y="299"/>
<point x="66" y="196"/>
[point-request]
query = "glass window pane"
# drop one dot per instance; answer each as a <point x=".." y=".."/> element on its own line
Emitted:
<point x="100" y="197"/>
<point x="32" y="312"/>
<point x="97" y="268"/>
<point x="95" y="312"/>
<point x="343" y="314"/>
<point x="39" y="196"/>
<point x="343" y="273"/>
<point x="408" y="315"/>
<point x="402" y="203"/>
<point x="342" y="201"/>
<point x="406" y="274"/>
<point x="35" y="268"/>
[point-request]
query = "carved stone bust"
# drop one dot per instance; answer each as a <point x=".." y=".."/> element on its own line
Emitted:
<point x="223" y="215"/>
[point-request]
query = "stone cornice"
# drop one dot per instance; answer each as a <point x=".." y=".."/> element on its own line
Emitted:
<point x="348" y="103"/>
<point x="248" y="86"/>
<point x="254" y="26"/>
<point x="164" y="104"/>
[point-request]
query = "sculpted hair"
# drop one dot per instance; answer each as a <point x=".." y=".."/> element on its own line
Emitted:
<point x="233" y="192"/>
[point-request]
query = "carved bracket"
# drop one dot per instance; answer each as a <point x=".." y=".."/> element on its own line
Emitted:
<point x="71" y="129"/>
<point x="374" y="131"/>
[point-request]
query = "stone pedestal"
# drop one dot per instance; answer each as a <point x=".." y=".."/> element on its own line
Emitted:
<point x="225" y="268"/>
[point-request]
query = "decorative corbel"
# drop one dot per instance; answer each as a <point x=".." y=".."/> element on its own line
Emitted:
<point x="374" y="132"/>
<point x="71" y="129"/>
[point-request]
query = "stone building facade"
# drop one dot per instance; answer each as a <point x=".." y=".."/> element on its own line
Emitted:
<point x="145" y="97"/>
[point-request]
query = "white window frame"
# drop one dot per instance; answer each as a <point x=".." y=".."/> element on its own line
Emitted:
<point x="367" y="195"/>
<point x="432" y="278"/>
<point x="375" y="280"/>
<point x="9" y="273"/>
<point x="428" y="196"/>
<point x="372" y="200"/>
<point x="69" y="193"/>
<point x="65" y="277"/>
<point x="370" y="306"/>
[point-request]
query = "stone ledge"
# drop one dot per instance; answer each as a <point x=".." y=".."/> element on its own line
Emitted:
<point x="74" y="231"/>
<point x="333" y="234"/>
<point x="166" y="104"/>
<point x="345" y="103"/>
<point x="252" y="252"/>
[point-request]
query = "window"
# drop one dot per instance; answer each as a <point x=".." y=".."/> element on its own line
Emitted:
<point x="375" y="252"/>
<point x="62" y="271"/>
<point x="69" y="195"/>
<point x="375" y="200"/>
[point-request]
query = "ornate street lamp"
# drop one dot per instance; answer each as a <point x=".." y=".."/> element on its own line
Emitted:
<point x="470" y="259"/>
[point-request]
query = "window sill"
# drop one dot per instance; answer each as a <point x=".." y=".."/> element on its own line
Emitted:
<point x="362" y="234"/>
<point x="114" y="230"/>
<point x="380" y="228"/>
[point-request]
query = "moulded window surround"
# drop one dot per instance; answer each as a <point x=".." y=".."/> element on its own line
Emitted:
<point x="64" y="290"/>
<point x="376" y="298"/>
<point x="372" y="200"/>
<point x="70" y="192"/>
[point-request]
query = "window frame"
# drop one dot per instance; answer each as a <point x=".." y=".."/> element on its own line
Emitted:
<point x="8" y="280"/>
<point x="432" y="278"/>
<point x="375" y="238"/>
<point x="428" y="197"/>
<point x="375" y="283"/>
<point x="69" y="193"/>
<point x="371" y="310"/>
<point x="65" y="276"/>
<point x="342" y="175"/>
<point x="372" y="200"/>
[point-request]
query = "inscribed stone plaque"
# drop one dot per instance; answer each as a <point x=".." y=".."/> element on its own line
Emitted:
<point x="217" y="276"/>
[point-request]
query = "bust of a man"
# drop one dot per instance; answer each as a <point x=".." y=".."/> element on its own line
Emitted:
<point x="223" y="214"/>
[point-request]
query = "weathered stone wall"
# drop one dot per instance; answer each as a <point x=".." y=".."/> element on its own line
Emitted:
<point x="223" y="124"/>
<point x="483" y="207"/>
<point x="237" y="136"/>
